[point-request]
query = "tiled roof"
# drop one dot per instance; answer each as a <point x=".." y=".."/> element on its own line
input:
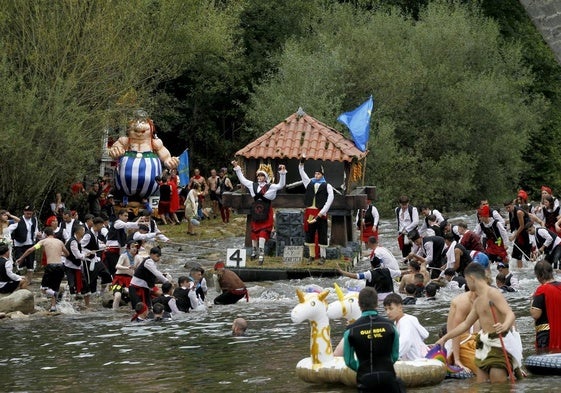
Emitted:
<point x="302" y="134"/>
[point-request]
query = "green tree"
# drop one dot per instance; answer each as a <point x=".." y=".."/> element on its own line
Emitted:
<point x="71" y="69"/>
<point x="453" y="108"/>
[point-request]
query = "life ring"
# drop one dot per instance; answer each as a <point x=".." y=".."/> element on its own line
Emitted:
<point x="413" y="373"/>
<point x="546" y="364"/>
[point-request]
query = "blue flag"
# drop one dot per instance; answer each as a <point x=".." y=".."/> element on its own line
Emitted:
<point x="358" y="123"/>
<point x="183" y="169"/>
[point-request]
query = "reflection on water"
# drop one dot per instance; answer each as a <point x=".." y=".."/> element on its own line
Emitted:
<point x="102" y="351"/>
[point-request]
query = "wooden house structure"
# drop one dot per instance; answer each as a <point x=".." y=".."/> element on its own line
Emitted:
<point x="300" y="134"/>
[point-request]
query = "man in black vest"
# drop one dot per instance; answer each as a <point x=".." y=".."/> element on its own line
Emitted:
<point x="317" y="199"/>
<point x="429" y="250"/>
<point x="144" y="279"/>
<point x="9" y="281"/>
<point x="519" y="218"/>
<point x="24" y="237"/>
<point x="375" y="343"/>
<point x="93" y="244"/>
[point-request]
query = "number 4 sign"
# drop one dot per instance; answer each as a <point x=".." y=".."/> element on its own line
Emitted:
<point x="235" y="257"/>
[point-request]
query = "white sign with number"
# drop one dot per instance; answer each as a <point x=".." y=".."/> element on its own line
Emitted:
<point x="292" y="254"/>
<point x="235" y="257"/>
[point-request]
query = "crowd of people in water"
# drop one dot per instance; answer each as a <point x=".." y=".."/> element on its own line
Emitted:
<point x="480" y="334"/>
<point x="113" y="248"/>
<point x="106" y="247"/>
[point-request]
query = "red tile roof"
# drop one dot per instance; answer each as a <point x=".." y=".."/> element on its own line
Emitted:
<point x="302" y="134"/>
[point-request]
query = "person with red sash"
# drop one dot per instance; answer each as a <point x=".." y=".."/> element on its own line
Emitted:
<point x="545" y="309"/>
<point x="367" y="222"/>
<point x="232" y="288"/>
<point x="495" y="235"/>
<point x="317" y="199"/>
<point x="263" y="192"/>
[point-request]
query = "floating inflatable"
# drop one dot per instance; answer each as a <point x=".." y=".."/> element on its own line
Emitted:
<point x="546" y="364"/>
<point x="323" y="367"/>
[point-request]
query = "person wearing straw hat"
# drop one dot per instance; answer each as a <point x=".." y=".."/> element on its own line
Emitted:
<point x="263" y="192"/>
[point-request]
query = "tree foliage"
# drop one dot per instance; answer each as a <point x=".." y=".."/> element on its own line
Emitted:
<point x="70" y="69"/>
<point x="462" y="89"/>
<point x="453" y="109"/>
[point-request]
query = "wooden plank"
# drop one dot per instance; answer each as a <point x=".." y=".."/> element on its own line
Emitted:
<point x="340" y="202"/>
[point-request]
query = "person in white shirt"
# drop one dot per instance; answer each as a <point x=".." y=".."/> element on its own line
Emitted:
<point x="386" y="258"/>
<point x="411" y="334"/>
<point x="425" y="230"/>
<point x="9" y="281"/>
<point x="407" y="220"/>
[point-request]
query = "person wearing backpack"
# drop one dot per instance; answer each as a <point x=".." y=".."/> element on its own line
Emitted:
<point x="263" y="192"/>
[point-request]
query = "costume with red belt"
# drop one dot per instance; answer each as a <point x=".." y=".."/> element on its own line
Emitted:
<point x="552" y="313"/>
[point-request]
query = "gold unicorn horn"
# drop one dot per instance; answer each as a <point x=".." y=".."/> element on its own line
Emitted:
<point x="339" y="292"/>
<point x="300" y="294"/>
<point x="323" y="295"/>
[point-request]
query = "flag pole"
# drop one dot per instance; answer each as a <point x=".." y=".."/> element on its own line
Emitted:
<point x="364" y="166"/>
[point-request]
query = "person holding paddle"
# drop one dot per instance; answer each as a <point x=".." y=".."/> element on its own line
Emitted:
<point x="498" y="354"/>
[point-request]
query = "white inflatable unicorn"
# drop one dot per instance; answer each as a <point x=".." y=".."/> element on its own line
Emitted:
<point x="345" y="307"/>
<point x="322" y="366"/>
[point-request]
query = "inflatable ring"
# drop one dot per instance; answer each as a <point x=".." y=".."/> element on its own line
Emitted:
<point x="413" y="373"/>
<point x="420" y="372"/>
<point x="546" y="364"/>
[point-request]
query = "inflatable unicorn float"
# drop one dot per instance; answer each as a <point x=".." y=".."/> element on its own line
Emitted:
<point x="323" y="367"/>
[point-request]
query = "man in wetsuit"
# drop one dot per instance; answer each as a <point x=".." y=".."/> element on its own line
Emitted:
<point x="371" y="347"/>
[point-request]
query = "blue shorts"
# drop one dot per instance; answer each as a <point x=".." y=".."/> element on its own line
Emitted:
<point x="482" y="259"/>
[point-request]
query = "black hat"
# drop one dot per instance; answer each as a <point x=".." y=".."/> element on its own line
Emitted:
<point x="28" y="208"/>
<point x="413" y="235"/>
<point x="375" y="261"/>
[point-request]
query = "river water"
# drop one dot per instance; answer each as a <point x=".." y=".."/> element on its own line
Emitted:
<point x="101" y="350"/>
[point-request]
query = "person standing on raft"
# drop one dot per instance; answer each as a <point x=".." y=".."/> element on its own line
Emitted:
<point x="263" y="192"/>
<point x="317" y="199"/>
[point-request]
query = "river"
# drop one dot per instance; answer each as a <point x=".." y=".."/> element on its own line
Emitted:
<point x="101" y="350"/>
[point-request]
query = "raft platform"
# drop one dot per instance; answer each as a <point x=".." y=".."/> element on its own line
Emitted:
<point x="276" y="274"/>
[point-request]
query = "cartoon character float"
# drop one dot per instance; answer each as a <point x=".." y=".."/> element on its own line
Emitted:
<point x="323" y="367"/>
<point x="140" y="154"/>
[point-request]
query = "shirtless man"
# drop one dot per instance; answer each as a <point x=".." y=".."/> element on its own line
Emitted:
<point x="463" y="346"/>
<point x="54" y="271"/>
<point x="489" y="359"/>
<point x="212" y="182"/>
<point x="409" y="278"/>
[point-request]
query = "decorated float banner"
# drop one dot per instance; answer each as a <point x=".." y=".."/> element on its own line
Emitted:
<point x="358" y="123"/>
<point x="183" y="169"/>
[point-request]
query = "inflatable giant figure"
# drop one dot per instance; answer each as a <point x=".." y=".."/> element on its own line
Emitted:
<point x="140" y="155"/>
